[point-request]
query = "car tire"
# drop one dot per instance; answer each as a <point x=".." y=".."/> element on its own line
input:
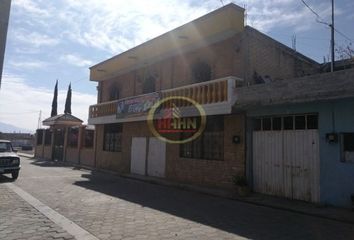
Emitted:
<point x="14" y="175"/>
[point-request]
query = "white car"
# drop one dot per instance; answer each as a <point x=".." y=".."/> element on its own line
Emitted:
<point x="9" y="160"/>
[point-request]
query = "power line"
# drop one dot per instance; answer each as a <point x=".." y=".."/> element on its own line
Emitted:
<point x="318" y="18"/>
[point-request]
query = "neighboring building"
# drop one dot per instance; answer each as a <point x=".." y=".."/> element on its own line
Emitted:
<point x="66" y="139"/>
<point x="4" y="22"/>
<point x="19" y="140"/>
<point x="300" y="137"/>
<point x="206" y="60"/>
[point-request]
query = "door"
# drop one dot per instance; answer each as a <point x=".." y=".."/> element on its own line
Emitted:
<point x="156" y="157"/>
<point x="286" y="158"/>
<point x="138" y="156"/>
<point x="58" y="146"/>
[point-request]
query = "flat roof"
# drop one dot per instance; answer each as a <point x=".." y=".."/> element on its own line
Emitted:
<point x="225" y="20"/>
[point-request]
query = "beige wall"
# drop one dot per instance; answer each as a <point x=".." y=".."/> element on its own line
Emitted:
<point x="38" y="151"/>
<point x="47" y="154"/>
<point x="72" y="155"/>
<point x="87" y="157"/>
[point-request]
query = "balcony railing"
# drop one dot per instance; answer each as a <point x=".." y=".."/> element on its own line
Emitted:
<point x="206" y="93"/>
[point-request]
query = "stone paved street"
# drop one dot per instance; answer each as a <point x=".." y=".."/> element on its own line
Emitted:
<point x="111" y="207"/>
<point x="19" y="220"/>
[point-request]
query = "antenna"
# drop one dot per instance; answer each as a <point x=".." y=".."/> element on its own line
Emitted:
<point x="246" y="14"/>
<point x="332" y="37"/>
<point x="293" y="41"/>
<point x="39" y="120"/>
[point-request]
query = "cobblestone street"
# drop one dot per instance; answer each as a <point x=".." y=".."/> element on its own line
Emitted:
<point x="110" y="207"/>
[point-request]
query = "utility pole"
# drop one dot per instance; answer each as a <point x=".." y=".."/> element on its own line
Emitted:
<point x="332" y="37"/>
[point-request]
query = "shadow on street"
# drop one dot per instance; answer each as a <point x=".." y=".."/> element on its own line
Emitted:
<point x="234" y="217"/>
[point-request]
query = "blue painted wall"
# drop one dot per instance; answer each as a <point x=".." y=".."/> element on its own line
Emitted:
<point x="336" y="177"/>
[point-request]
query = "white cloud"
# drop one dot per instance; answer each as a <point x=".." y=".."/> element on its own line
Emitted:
<point x="20" y="103"/>
<point x="29" y="64"/>
<point x="31" y="7"/>
<point x="115" y="26"/>
<point x="76" y="60"/>
<point x="34" y="39"/>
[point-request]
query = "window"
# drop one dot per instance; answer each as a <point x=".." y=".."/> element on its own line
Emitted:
<point x="276" y="123"/>
<point x="300" y="122"/>
<point x="112" y="141"/>
<point x="201" y="72"/>
<point x="312" y="121"/>
<point x="88" y="138"/>
<point x="210" y="145"/>
<point x="287" y="122"/>
<point x="47" y="137"/>
<point x="347" y="147"/>
<point x="149" y="85"/>
<point x="114" y="93"/>
<point x="39" y="136"/>
<point x="267" y="124"/>
<point x="73" y="137"/>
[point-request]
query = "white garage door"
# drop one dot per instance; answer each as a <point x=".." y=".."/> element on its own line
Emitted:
<point x="286" y="156"/>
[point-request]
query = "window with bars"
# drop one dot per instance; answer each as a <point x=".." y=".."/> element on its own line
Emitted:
<point x="347" y="147"/>
<point x="88" y="138"/>
<point x="286" y="122"/>
<point x="39" y="136"/>
<point x="73" y="137"/>
<point x="210" y="145"/>
<point x="112" y="141"/>
<point x="47" y="137"/>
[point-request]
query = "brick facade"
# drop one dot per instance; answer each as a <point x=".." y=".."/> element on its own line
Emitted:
<point x="246" y="54"/>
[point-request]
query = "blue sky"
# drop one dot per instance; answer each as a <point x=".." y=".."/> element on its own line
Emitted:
<point x="60" y="39"/>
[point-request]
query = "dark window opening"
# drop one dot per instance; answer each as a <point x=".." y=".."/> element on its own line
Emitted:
<point x="312" y="122"/>
<point x="210" y="145"/>
<point x="149" y="85"/>
<point x="348" y="142"/>
<point x="114" y="94"/>
<point x="257" y="124"/>
<point x="300" y="122"/>
<point x="276" y="123"/>
<point x="201" y="72"/>
<point x="267" y="124"/>
<point x="88" y="138"/>
<point x="73" y="137"/>
<point x="289" y="123"/>
<point x="112" y="141"/>
<point x="39" y="136"/>
<point x="47" y="137"/>
<point x="347" y="147"/>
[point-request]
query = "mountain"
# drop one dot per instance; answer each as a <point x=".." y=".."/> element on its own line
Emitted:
<point x="8" y="128"/>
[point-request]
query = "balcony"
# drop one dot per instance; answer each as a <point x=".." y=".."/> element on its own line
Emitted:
<point x="216" y="97"/>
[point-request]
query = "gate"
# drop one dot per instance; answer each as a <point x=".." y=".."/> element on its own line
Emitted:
<point x="286" y="163"/>
<point x="58" y="146"/>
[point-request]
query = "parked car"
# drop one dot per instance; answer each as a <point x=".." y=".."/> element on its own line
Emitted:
<point x="9" y="160"/>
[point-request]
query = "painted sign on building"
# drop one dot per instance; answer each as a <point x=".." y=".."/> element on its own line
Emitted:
<point x="137" y="106"/>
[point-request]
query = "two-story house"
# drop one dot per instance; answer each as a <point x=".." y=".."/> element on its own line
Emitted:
<point x="205" y="60"/>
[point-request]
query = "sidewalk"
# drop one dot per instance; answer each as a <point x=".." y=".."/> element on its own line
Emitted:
<point x="332" y="213"/>
<point x="327" y="212"/>
<point x="21" y="154"/>
<point x="19" y="220"/>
